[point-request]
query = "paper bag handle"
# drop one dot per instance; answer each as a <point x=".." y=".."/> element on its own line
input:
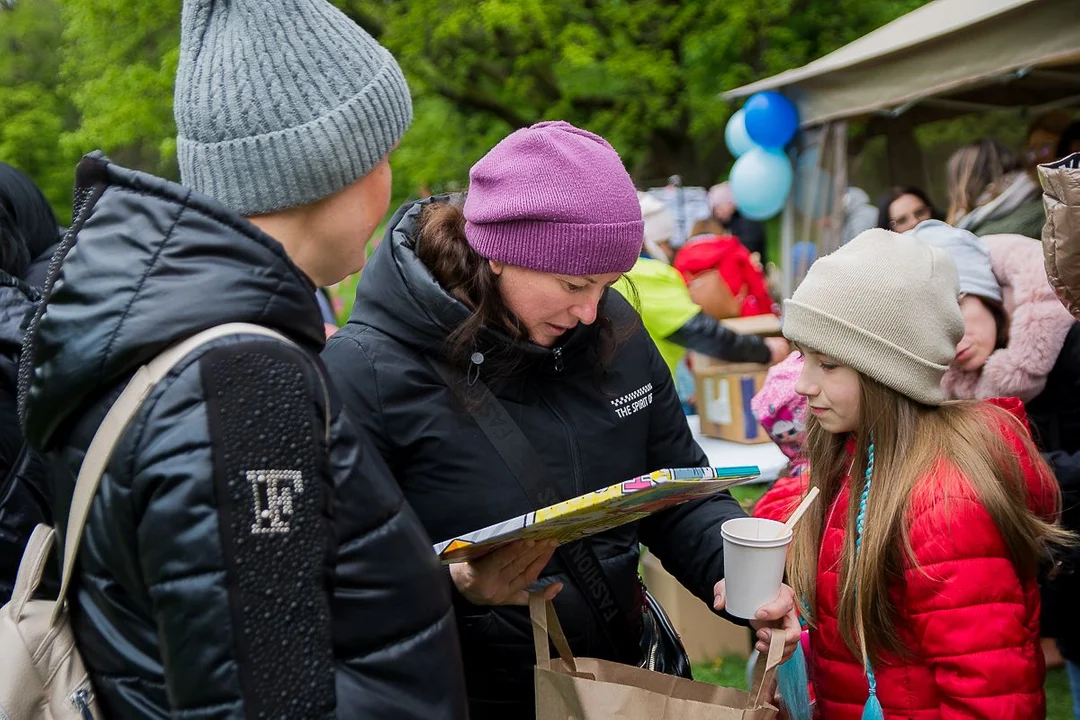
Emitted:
<point x="765" y="668"/>
<point x="545" y="624"/>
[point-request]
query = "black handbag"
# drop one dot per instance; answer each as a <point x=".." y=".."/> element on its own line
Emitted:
<point x="658" y="646"/>
<point x="663" y="649"/>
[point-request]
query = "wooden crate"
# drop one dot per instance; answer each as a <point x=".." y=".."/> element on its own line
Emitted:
<point x="724" y="391"/>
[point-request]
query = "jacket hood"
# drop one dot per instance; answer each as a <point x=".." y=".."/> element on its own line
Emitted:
<point x="27" y="222"/>
<point x="1061" y="234"/>
<point x="399" y="296"/>
<point x="1038" y="325"/>
<point x="147" y="263"/>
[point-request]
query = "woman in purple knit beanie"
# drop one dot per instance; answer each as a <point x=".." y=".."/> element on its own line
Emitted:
<point x="500" y="302"/>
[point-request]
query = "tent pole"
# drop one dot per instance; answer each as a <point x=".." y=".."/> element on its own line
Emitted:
<point x="787" y="240"/>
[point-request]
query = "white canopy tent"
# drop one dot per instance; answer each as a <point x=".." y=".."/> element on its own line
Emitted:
<point x="947" y="58"/>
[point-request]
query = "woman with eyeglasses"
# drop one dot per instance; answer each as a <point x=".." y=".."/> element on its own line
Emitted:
<point x="904" y="207"/>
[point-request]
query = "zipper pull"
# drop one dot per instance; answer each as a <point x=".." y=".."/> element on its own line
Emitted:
<point x="81" y="699"/>
<point x="557" y="352"/>
<point x="473" y="374"/>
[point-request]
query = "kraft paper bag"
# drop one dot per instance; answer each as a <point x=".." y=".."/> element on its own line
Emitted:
<point x="569" y="688"/>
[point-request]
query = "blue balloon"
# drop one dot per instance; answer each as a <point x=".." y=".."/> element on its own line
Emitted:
<point x="761" y="180"/>
<point x="738" y="142"/>
<point x="771" y="119"/>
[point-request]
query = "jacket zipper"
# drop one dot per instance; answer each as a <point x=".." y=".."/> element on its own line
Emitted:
<point x="557" y="352"/>
<point x="579" y="485"/>
<point x="654" y="646"/>
<point x="81" y="699"/>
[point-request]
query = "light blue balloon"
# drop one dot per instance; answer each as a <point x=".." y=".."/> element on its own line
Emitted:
<point x="761" y="180"/>
<point x="735" y="135"/>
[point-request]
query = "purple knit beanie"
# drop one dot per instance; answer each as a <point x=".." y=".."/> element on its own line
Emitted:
<point x="554" y="198"/>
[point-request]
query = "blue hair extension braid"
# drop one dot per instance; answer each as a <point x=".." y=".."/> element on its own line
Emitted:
<point x="872" y="710"/>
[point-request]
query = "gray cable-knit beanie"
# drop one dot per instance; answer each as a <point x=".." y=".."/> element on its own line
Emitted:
<point x="886" y="305"/>
<point x="282" y="103"/>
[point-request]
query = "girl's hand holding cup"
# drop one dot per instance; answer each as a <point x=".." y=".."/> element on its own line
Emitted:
<point x="778" y="615"/>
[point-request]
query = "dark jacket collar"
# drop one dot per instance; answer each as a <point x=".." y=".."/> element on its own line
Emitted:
<point x="148" y="263"/>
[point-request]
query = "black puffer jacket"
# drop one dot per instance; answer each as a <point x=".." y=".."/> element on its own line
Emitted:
<point x="589" y="438"/>
<point x="1055" y="422"/>
<point x="28" y="230"/>
<point x="245" y="555"/>
<point x="24" y="492"/>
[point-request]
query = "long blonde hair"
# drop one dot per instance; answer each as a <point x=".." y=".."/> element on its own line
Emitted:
<point x="974" y="169"/>
<point x="910" y="440"/>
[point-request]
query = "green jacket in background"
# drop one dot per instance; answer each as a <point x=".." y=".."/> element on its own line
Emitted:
<point x="663" y="301"/>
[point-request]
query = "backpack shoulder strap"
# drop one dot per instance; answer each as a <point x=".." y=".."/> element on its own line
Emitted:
<point x="116" y="422"/>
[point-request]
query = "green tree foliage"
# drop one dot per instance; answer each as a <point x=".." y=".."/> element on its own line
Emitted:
<point x="77" y="75"/>
<point x="119" y="61"/>
<point x="34" y="109"/>
<point x="645" y="74"/>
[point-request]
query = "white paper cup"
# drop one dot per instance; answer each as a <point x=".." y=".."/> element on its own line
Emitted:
<point x="755" y="551"/>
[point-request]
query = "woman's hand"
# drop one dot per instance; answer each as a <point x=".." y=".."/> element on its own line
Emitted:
<point x="777" y="615"/>
<point x="502" y="577"/>
<point x="778" y="349"/>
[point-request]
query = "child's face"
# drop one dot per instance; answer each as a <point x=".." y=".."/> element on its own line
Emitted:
<point x="980" y="335"/>
<point x="831" y="391"/>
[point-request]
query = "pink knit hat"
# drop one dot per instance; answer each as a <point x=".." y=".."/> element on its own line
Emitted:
<point x="782" y="411"/>
<point x="554" y="198"/>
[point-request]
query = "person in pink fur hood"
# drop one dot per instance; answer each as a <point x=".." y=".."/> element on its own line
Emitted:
<point x="782" y="413"/>
<point x="1019" y="341"/>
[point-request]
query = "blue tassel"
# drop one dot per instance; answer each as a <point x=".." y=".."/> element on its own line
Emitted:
<point x="792" y="681"/>
<point x="872" y="710"/>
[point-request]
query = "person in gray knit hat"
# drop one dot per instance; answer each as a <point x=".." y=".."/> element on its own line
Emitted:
<point x="930" y="511"/>
<point x="282" y="105"/>
<point x="248" y="553"/>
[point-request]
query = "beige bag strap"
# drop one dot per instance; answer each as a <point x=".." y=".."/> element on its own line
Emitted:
<point x="117" y="421"/>
<point x="765" y="669"/>
<point x="32" y="567"/>
<point x="545" y="624"/>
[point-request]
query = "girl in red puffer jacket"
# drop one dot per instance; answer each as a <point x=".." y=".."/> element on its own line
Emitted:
<point x="917" y="571"/>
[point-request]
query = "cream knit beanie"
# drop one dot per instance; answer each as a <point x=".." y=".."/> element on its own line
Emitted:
<point x="659" y="226"/>
<point x="886" y="305"/>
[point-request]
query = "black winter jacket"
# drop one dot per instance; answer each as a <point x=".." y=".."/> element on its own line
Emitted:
<point x="24" y="491"/>
<point x="1055" y="424"/>
<point x="589" y="438"/>
<point x="246" y="555"/>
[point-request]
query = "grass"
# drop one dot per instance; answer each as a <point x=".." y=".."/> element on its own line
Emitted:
<point x="731" y="672"/>
<point x="1058" y="697"/>
<point x="747" y="495"/>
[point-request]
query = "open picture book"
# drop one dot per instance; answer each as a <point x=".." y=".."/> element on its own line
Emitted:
<point x="597" y="511"/>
